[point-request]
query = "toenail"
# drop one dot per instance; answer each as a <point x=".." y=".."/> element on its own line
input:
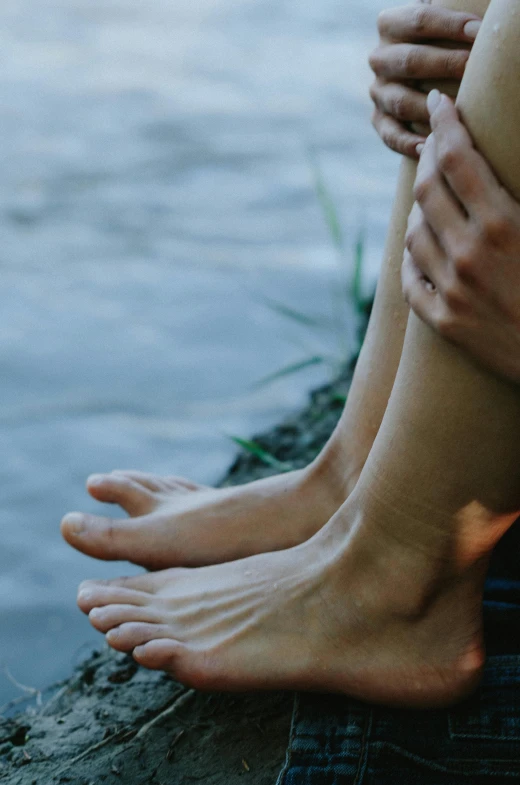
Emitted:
<point x="75" y="522"/>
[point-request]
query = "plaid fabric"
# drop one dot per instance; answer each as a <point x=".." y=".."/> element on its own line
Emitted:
<point x="337" y="741"/>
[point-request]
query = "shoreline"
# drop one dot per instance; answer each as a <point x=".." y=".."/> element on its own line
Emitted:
<point x="115" y="723"/>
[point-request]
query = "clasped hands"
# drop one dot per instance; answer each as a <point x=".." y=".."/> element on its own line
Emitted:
<point x="461" y="269"/>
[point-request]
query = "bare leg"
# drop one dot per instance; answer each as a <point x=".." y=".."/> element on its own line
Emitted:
<point x="176" y="522"/>
<point x="384" y="603"/>
<point x="456" y="414"/>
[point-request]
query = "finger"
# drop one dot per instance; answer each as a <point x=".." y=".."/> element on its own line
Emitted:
<point x="406" y="23"/>
<point x="424" y="301"/>
<point x="412" y="279"/>
<point x="401" y="102"/>
<point x="440" y="208"/>
<point x="395" y="135"/>
<point x="466" y="171"/>
<point x="436" y="268"/>
<point x="425" y="251"/>
<point x="413" y="61"/>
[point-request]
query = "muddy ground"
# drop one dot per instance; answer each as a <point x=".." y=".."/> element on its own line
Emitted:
<point x="114" y="723"/>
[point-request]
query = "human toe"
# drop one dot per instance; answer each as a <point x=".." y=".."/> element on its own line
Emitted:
<point x="161" y="484"/>
<point x="98" y="595"/>
<point x="103" y="538"/>
<point x="191" y="668"/>
<point x="105" y="617"/>
<point x="167" y="654"/>
<point x="128" y="635"/>
<point x="121" y="488"/>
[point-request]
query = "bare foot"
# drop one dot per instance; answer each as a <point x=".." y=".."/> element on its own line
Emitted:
<point x="174" y="522"/>
<point x="353" y="610"/>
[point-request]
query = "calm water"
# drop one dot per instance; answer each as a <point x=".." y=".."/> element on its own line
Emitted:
<point x="155" y="186"/>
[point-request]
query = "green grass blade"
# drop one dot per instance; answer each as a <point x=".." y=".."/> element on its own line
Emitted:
<point x="357" y="278"/>
<point x="288" y="370"/>
<point x="296" y="316"/>
<point x="327" y="205"/>
<point x="263" y="455"/>
<point x="305" y="347"/>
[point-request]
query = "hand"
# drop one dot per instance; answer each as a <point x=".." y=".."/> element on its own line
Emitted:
<point x="418" y="42"/>
<point x="461" y="271"/>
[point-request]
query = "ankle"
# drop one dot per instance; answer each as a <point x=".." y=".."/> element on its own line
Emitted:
<point x="332" y="474"/>
<point x="456" y="534"/>
<point x="417" y="573"/>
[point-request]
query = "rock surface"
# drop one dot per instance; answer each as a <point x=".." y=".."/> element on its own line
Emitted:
<point x="117" y="724"/>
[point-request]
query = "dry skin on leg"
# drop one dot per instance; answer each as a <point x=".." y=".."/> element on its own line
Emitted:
<point x="174" y="522"/>
<point x="384" y="603"/>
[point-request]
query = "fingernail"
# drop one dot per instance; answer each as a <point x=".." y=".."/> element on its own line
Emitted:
<point x="471" y="29"/>
<point x="95" y="479"/>
<point x="75" y="522"/>
<point x="420" y="148"/>
<point x="434" y="99"/>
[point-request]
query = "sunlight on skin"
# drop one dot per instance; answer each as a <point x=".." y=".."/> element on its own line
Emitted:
<point x="479" y="529"/>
